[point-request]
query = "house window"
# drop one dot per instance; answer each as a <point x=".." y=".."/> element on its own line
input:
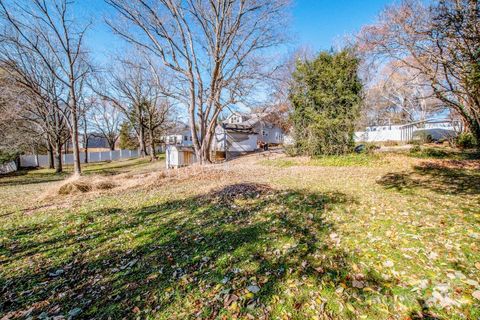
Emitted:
<point x="185" y="138"/>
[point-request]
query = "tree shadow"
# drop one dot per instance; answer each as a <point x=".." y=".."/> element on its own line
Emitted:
<point x="424" y="314"/>
<point x="230" y="252"/>
<point x="438" y="177"/>
<point x="26" y="177"/>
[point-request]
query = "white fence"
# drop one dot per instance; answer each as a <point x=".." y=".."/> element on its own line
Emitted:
<point x="42" y="160"/>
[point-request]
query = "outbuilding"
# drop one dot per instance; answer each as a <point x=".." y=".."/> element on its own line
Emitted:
<point x="178" y="156"/>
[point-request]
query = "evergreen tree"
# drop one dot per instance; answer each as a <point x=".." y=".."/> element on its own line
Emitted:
<point x="126" y="140"/>
<point x="326" y="98"/>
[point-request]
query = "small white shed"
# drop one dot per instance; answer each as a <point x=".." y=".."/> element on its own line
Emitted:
<point x="179" y="156"/>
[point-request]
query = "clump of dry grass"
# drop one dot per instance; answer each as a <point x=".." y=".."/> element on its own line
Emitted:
<point x="99" y="184"/>
<point x="81" y="185"/>
<point x="105" y="185"/>
<point x="74" y="187"/>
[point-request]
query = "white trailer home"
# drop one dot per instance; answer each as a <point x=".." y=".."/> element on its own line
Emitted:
<point x="435" y="129"/>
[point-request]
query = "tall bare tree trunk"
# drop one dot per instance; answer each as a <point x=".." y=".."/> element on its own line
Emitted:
<point x="85" y="140"/>
<point x="51" y="164"/>
<point x="58" y="157"/>
<point x="77" y="170"/>
<point x="153" y="156"/>
<point x="141" y="133"/>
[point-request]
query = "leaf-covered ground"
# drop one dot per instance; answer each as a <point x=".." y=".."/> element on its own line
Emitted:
<point x="385" y="237"/>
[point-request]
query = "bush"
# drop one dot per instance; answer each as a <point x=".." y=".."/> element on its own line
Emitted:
<point x="291" y="151"/>
<point x="326" y="96"/>
<point x="7" y="156"/>
<point x="466" y="140"/>
<point x="420" y="152"/>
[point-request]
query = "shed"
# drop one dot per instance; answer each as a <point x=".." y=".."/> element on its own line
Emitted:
<point x="179" y="156"/>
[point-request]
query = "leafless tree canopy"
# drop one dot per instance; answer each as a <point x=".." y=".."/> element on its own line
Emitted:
<point x="45" y="31"/>
<point x="441" y="41"/>
<point x="399" y="94"/>
<point x="105" y="120"/>
<point x="210" y="48"/>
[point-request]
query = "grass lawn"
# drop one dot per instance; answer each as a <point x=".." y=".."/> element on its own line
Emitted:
<point x="391" y="236"/>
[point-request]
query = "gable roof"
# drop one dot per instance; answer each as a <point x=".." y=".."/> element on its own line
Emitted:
<point x="239" y="128"/>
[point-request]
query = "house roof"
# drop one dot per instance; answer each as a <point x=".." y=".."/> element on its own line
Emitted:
<point x="251" y="119"/>
<point x="181" y="148"/>
<point x="239" y="128"/>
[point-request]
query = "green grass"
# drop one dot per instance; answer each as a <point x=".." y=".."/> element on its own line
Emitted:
<point x="443" y="153"/>
<point x="349" y="160"/>
<point x="321" y="242"/>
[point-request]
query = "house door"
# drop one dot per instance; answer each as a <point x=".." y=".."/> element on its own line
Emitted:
<point x="188" y="158"/>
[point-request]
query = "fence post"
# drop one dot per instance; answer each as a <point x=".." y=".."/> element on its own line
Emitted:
<point x="111" y="155"/>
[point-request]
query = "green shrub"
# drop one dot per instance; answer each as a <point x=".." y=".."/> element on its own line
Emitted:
<point x="326" y="96"/>
<point x="419" y="152"/>
<point x="466" y="140"/>
<point x="7" y="156"/>
<point x="291" y="151"/>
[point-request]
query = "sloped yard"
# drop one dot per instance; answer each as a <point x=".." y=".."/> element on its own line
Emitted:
<point x="383" y="237"/>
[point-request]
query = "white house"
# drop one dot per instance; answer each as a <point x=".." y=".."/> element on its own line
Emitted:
<point x="238" y="134"/>
<point x="244" y="133"/>
<point x="180" y="136"/>
<point x="268" y="132"/>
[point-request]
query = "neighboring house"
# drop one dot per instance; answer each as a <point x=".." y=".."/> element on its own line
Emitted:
<point x="267" y="132"/>
<point x="435" y="129"/>
<point x="243" y="133"/>
<point x="180" y="136"/>
<point x="95" y="140"/>
<point x="238" y="134"/>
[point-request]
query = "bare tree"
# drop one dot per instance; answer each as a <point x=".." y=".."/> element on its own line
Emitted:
<point x="441" y="41"/>
<point x="400" y="94"/>
<point x="130" y="87"/>
<point x="210" y="48"/>
<point x="105" y="120"/>
<point x="47" y="30"/>
<point x="35" y="95"/>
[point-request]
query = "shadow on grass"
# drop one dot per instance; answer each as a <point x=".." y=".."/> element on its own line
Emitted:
<point x="443" y="153"/>
<point x="25" y="177"/>
<point x="439" y="178"/>
<point x="227" y="253"/>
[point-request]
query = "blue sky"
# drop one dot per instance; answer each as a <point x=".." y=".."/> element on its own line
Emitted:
<point x="316" y="24"/>
<point x="320" y="23"/>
